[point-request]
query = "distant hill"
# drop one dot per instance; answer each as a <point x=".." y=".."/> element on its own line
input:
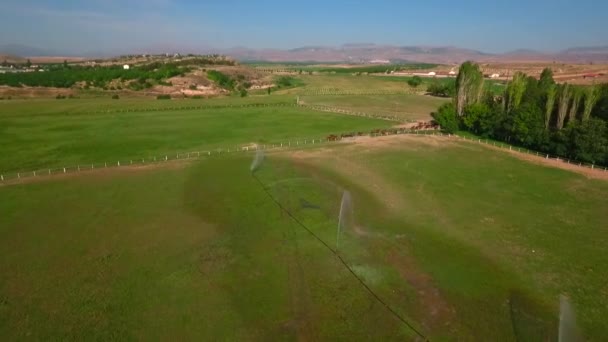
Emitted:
<point x="587" y="50"/>
<point x="355" y="53"/>
<point x="361" y="53"/>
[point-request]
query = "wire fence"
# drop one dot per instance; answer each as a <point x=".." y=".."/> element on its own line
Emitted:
<point x="151" y="160"/>
<point x="543" y="155"/>
<point x="288" y="144"/>
<point x="338" y="91"/>
<point x="330" y="109"/>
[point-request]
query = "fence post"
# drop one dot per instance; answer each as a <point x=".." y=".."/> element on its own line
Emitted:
<point x="49" y="171"/>
<point x="592" y="167"/>
<point x="118" y="163"/>
<point x="105" y="164"/>
<point x="78" y="168"/>
<point x="166" y="158"/>
<point x="64" y="170"/>
<point x="18" y="175"/>
<point x="2" y="177"/>
<point x="34" y="173"/>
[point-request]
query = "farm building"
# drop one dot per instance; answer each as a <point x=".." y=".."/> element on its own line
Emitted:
<point x="432" y="73"/>
<point x="126" y="67"/>
<point x="495" y="76"/>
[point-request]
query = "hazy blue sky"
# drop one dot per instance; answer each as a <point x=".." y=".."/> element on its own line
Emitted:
<point x="116" y="25"/>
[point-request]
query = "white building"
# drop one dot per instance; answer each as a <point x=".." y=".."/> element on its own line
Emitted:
<point x="126" y="67"/>
<point x="495" y="76"/>
<point x="380" y="61"/>
<point x="432" y="73"/>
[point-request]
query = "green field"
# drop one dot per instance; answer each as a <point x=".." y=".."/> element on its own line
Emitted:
<point x="347" y="83"/>
<point x="51" y="133"/>
<point x="200" y="252"/>
<point x="459" y="240"/>
<point x="406" y="106"/>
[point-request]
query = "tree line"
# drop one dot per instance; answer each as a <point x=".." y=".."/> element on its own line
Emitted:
<point x="561" y="119"/>
<point x="64" y="76"/>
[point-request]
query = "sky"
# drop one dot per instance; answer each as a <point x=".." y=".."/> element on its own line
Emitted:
<point x="94" y="26"/>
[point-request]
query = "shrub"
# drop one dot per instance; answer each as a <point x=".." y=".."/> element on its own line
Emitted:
<point x="192" y="87"/>
<point x="446" y="117"/>
<point x="414" y="81"/>
<point x="163" y="97"/>
<point x="197" y="97"/>
<point x="60" y="97"/>
<point x="115" y="97"/>
<point x="243" y="92"/>
<point x="221" y="79"/>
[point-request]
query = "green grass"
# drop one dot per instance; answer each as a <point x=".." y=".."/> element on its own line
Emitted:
<point x="342" y="83"/>
<point x="55" y="134"/>
<point x="86" y="105"/>
<point x="196" y="254"/>
<point x="406" y="106"/>
<point x="456" y="234"/>
<point x="367" y="68"/>
<point x="496" y="87"/>
<point x="490" y="230"/>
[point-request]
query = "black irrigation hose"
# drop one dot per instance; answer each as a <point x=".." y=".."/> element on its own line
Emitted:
<point x="337" y="255"/>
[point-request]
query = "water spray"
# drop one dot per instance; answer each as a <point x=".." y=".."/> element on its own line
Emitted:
<point x="346" y="209"/>
<point x="257" y="161"/>
<point x="568" y="330"/>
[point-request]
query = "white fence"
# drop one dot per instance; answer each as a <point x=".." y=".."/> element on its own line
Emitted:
<point x="295" y="143"/>
<point x="543" y="155"/>
<point x="338" y="91"/>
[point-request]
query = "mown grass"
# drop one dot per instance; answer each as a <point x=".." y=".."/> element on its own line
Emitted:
<point x="197" y="254"/>
<point x="501" y="238"/>
<point x="44" y="134"/>
<point x="406" y="106"/>
<point x="86" y="105"/>
<point x="462" y="241"/>
<point x="362" y="84"/>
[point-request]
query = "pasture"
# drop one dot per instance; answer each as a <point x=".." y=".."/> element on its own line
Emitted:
<point x="453" y="240"/>
<point x="200" y="250"/>
<point x="406" y="106"/>
<point x="53" y="133"/>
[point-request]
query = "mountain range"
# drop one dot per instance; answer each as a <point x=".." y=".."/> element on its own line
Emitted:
<point x="358" y="53"/>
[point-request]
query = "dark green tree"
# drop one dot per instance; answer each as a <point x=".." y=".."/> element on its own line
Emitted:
<point x="475" y="116"/>
<point x="588" y="140"/>
<point x="528" y="125"/>
<point x="415" y="81"/>
<point x="447" y="117"/>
